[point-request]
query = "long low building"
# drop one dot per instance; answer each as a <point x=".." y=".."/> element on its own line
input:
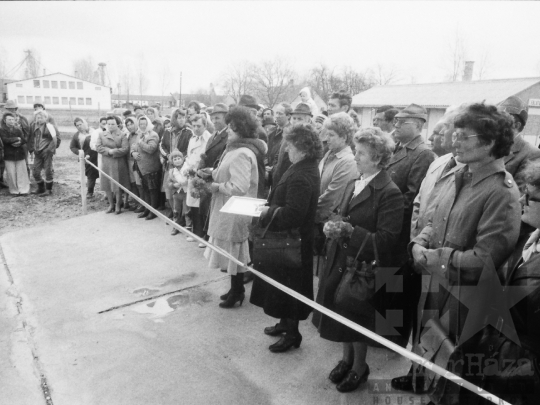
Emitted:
<point x="436" y="97"/>
<point x="59" y="91"/>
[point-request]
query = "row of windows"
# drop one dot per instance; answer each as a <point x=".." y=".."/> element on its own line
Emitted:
<point x="53" y="84"/>
<point x="55" y="100"/>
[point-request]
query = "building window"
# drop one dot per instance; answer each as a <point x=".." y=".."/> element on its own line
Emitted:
<point x="47" y="100"/>
<point x="54" y="84"/>
<point x="80" y="101"/>
<point x="63" y="85"/>
<point x="55" y="100"/>
<point x="72" y="101"/>
<point x="88" y="101"/>
<point x="79" y="86"/>
<point x="45" y="84"/>
<point x="38" y="99"/>
<point x="36" y="84"/>
<point x="19" y="84"/>
<point x="98" y="88"/>
<point x="29" y="100"/>
<point x="72" y="85"/>
<point x="64" y="100"/>
<point x="20" y="99"/>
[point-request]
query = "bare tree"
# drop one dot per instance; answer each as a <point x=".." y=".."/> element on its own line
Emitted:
<point x="126" y="80"/>
<point x="355" y="82"/>
<point x="33" y="62"/>
<point x="273" y="78"/>
<point x="84" y="68"/>
<point x="484" y="65"/>
<point x="238" y="79"/>
<point x="454" y="58"/>
<point x="323" y="80"/>
<point x="384" y="75"/>
<point x="141" y="76"/>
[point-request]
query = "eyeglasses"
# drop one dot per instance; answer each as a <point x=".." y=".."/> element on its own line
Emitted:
<point x="461" y="137"/>
<point x="399" y="123"/>
<point x="528" y="199"/>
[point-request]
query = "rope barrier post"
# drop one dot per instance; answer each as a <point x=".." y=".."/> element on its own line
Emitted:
<point x="83" y="180"/>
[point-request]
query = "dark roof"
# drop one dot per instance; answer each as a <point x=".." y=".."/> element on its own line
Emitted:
<point x="60" y="73"/>
<point x="442" y="95"/>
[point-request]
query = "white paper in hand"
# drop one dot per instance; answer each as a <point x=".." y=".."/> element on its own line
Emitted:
<point x="244" y="206"/>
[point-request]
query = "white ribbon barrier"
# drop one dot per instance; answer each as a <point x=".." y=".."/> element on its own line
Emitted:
<point x="360" y="329"/>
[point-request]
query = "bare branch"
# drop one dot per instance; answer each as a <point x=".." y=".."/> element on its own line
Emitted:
<point x="272" y="80"/>
<point x="83" y="68"/>
<point x="238" y="80"/>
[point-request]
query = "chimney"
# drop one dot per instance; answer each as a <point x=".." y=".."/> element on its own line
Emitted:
<point x="468" y="71"/>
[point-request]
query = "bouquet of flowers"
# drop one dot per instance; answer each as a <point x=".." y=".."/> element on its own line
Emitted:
<point x="201" y="188"/>
<point x="191" y="173"/>
<point x="337" y="229"/>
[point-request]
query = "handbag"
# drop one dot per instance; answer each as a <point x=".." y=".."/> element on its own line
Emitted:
<point x="357" y="286"/>
<point x="281" y="249"/>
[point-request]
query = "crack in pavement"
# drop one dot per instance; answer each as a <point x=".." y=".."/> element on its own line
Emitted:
<point x="163" y="295"/>
<point x="29" y="338"/>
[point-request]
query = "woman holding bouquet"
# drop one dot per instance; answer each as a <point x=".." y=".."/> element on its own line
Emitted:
<point x="237" y="175"/>
<point x="372" y="205"/>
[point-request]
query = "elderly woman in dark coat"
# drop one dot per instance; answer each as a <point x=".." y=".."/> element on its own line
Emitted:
<point x="296" y="196"/>
<point x="14" y="155"/>
<point x="472" y="231"/>
<point x="372" y="209"/>
<point x="113" y="146"/>
<point x="81" y="140"/>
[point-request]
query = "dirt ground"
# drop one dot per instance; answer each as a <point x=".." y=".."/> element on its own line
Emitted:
<point x="23" y="212"/>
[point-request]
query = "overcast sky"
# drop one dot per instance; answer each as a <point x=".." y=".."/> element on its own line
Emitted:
<point x="202" y="38"/>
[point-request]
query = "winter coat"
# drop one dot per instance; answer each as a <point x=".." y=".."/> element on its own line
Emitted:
<point x="297" y="194"/>
<point x="377" y="209"/>
<point x="521" y="152"/>
<point x="236" y="175"/>
<point x="76" y="146"/>
<point x="9" y="137"/>
<point x="114" y="165"/>
<point x="182" y="141"/>
<point x="214" y="148"/>
<point x="147" y="146"/>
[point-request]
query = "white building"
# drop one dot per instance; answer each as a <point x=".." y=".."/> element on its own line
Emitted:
<point x="59" y="91"/>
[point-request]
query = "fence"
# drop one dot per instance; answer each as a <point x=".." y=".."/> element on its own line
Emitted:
<point x="360" y="329"/>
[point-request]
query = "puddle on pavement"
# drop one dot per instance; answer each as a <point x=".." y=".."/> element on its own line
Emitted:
<point x="165" y="305"/>
<point x="147" y="291"/>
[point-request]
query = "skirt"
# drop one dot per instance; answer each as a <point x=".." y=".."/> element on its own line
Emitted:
<point x="239" y="250"/>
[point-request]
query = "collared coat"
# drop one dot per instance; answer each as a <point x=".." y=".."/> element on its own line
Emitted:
<point x="147" y="146"/>
<point x="336" y="170"/>
<point x="114" y="165"/>
<point x="215" y="147"/>
<point x="9" y="136"/>
<point x="297" y="194"/>
<point x="75" y="146"/>
<point x="182" y="137"/>
<point x="432" y="187"/>
<point x="407" y="168"/>
<point x="377" y="209"/>
<point x="521" y="152"/>
<point x="474" y="229"/>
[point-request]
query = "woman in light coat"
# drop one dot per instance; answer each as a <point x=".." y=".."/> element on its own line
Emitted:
<point x="146" y="155"/>
<point x="237" y="174"/>
<point x="113" y="146"/>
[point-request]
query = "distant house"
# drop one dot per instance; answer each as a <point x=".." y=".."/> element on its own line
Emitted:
<point x="129" y="100"/>
<point x="436" y="97"/>
<point x="318" y="100"/>
<point x="59" y="91"/>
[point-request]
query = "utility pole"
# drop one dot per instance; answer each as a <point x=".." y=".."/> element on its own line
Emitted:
<point x="180" y="94"/>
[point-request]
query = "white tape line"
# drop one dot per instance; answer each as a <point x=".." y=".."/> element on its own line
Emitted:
<point x="366" y="332"/>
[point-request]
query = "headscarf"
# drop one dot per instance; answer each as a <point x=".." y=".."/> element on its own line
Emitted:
<point x="149" y="127"/>
<point x="156" y="113"/>
<point x="85" y="124"/>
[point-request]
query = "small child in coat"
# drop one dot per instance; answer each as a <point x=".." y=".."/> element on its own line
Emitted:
<point x="178" y="181"/>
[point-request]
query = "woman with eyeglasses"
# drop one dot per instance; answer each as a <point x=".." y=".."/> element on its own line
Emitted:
<point x="472" y="231"/>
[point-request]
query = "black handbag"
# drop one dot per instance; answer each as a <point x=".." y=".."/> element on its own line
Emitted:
<point x="276" y="249"/>
<point x="357" y="286"/>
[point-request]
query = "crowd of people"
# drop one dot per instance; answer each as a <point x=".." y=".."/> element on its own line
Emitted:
<point x="460" y="213"/>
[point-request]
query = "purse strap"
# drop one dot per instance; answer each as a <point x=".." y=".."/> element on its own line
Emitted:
<point x="362" y="246"/>
<point x="269" y="223"/>
<point x="375" y="249"/>
<point x="459" y="298"/>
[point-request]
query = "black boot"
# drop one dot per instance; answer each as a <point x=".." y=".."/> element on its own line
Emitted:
<point x="41" y="188"/>
<point x="48" y="187"/>
<point x="154" y="201"/>
<point x="237" y="292"/>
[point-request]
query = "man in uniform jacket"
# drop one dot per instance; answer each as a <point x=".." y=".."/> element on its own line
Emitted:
<point x="522" y="151"/>
<point x="409" y="164"/>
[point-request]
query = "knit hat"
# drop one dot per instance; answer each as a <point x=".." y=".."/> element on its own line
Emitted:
<point x="175" y="153"/>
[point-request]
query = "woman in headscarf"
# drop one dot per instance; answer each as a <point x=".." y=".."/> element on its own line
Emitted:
<point x="305" y="96"/>
<point x="81" y="140"/>
<point x="146" y="155"/>
<point x="14" y="155"/>
<point x="113" y="146"/>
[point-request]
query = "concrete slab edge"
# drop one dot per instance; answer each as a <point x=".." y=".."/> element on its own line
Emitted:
<point x="17" y="298"/>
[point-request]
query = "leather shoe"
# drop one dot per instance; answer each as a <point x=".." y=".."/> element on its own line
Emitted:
<point x="285" y="343"/>
<point x="150" y="216"/>
<point x="139" y="209"/>
<point x="339" y="372"/>
<point x="352" y="381"/>
<point x="275" y="330"/>
<point x="143" y="214"/>
<point x="110" y="210"/>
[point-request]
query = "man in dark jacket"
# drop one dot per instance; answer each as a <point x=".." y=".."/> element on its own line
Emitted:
<point x="409" y="164"/>
<point x="275" y="138"/>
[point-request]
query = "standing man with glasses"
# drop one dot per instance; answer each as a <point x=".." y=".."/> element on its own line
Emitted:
<point x="409" y="164"/>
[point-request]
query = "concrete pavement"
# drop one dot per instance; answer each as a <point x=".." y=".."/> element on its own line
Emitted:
<point x="114" y="310"/>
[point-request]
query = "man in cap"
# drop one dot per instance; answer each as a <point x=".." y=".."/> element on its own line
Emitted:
<point x="339" y="101"/>
<point x="384" y="118"/>
<point x="409" y="164"/>
<point x="522" y="151"/>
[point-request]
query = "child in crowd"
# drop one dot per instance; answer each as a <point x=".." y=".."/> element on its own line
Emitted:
<point x="178" y="180"/>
